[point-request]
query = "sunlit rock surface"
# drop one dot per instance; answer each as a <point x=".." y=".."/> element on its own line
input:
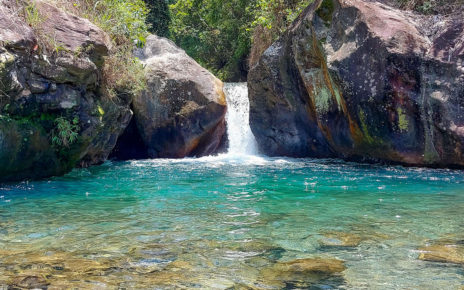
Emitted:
<point x="182" y="113"/>
<point x="443" y="252"/>
<point x="363" y="81"/>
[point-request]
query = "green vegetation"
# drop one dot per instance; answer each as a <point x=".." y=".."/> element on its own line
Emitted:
<point x="272" y="18"/>
<point x="215" y="33"/>
<point x="32" y="15"/>
<point x="325" y="11"/>
<point x="159" y="17"/>
<point x="65" y="132"/>
<point x="365" y="129"/>
<point x="123" y="74"/>
<point x="220" y="34"/>
<point x="403" y="123"/>
<point x="125" y="21"/>
<point x="223" y="36"/>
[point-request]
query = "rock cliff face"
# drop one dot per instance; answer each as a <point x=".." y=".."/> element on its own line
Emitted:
<point x="53" y="116"/>
<point x="363" y="81"/>
<point x="182" y="113"/>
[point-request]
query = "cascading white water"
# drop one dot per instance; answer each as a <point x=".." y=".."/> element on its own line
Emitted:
<point x="241" y="139"/>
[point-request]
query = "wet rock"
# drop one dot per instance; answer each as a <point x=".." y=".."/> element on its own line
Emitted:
<point x="255" y="248"/>
<point x="182" y="112"/>
<point x="217" y="283"/>
<point x="340" y="239"/>
<point x="7" y="61"/>
<point x="25" y="151"/>
<point x="310" y="270"/>
<point x="242" y="287"/>
<point x="341" y="83"/>
<point x="180" y="265"/>
<point x="30" y="282"/>
<point x="443" y="253"/>
<point x="86" y="266"/>
<point x="166" y="280"/>
<point x="56" y="266"/>
<point x="148" y="250"/>
<point x="151" y="258"/>
<point x="85" y="283"/>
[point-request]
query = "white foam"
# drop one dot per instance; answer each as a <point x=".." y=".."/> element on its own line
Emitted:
<point x="242" y="142"/>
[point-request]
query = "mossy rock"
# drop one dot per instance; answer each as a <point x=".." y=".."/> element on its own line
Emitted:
<point x="326" y="11"/>
<point x="6" y="62"/>
<point x="26" y="151"/>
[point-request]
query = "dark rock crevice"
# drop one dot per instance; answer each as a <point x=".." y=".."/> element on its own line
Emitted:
<point x="130" y="145"/>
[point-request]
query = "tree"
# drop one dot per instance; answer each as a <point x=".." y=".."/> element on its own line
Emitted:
<point x="215" y="33"/>
<point x="218" y="34"/>
<point x="159" y="17"/>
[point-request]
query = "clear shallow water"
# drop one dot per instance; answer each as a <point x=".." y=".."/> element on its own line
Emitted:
<point x="217" y="222"/>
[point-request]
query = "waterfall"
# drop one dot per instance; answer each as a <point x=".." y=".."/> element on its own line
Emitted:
<point x="241" y="139"/>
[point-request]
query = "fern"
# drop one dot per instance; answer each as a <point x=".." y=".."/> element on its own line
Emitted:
<point x="65" y="133"/>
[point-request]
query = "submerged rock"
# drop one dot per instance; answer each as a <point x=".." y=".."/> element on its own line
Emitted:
<point x="342" y="83"/>
<point x="182" y="113"/>
<point x="30" y="282"/>
<point x="443" y="253"/>
<point x="310" y="270"/>
<point x="340" y="239"/>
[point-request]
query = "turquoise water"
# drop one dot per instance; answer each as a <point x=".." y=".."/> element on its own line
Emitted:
<point x="218" y="222"/>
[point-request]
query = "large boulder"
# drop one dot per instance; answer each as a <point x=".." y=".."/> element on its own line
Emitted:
<point x="14" y="32"/>
<point x="182" y="113"/>
<point x="364" y="81"/>
<point x="53" y="115"/>
<point x="69" y="32"/>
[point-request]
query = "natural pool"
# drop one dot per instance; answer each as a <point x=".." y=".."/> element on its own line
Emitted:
<point x="228" y="222"/>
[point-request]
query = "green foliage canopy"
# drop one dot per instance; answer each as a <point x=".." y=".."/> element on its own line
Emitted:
<point x="159" y="17"/>
<point x="124" y="20"/>
<point x="214" y="32"/>
<point x="219" y="34"/>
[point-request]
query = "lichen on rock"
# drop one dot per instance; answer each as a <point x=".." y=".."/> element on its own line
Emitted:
<point x="359" y="87"/>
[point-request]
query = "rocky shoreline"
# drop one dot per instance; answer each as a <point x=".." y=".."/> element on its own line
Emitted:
<point x="363" y="81"/>
<point x="55" y="115"/>
<point x="339" y="83"/>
